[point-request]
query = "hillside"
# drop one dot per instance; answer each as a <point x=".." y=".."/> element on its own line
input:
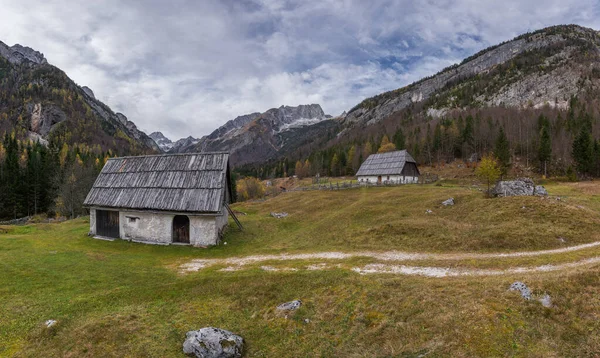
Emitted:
<point x="38" y="100"/>
<point x="54" y="136"/>
<point x="377" y="276"/>
<point x="548" y="78"/>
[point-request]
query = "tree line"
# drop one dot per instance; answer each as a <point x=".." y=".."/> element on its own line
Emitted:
<point x="39" y="179"/>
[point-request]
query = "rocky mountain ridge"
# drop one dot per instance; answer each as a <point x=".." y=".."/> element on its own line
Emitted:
<point x="554" y="88"/>
<point x="48" y="98"/>
<point x="252" y="137"/>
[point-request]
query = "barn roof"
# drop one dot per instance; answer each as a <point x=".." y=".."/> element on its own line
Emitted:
<point x="390" y="163"/>
<point x="192" y="182"/>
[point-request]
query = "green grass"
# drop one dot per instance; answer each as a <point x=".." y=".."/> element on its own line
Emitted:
<point x="395" y="218"/>
<point x="121" y="299"/>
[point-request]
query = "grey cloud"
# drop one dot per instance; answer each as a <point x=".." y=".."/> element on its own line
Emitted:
<point x="187" y="67"/>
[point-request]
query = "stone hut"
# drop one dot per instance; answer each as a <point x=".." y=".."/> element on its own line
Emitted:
<point x="162" y="199"/>
<point x="396" y="167"/>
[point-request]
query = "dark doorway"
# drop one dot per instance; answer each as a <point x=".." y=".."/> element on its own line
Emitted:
<point x="379" y="179"/>
<point x="181" y="229"/>
<point x="107" y="223"/>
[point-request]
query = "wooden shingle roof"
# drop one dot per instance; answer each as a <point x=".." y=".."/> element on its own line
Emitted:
<point x="390" y="163"/>
<point x="192" y="183"/>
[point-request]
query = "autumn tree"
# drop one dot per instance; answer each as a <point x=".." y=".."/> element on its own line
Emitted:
<point x="335" y="165"/>
<point x="366" y="151"/>
<point x="386" y="145"/>
<point x="298" y="170"/>
<point x="350" y="166"/>
<point x="250" y="188"/>
<point x="488" y="170"/>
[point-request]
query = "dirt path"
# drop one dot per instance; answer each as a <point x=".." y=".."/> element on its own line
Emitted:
<point x="237" y="263"/>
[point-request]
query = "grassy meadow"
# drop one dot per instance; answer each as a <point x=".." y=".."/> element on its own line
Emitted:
<point x="122" y="299"/>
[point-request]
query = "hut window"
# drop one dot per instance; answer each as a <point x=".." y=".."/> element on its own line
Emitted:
<point x="132" y="219"/>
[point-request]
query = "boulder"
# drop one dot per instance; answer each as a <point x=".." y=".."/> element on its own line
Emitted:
<point x="522" y="288"/>
<point x="290" y="306"/>
<point x="211" y="342"/>
<point x="518" y="187"/>
<point x="540" y="191"/>
<point x="279" y="215"/>
<point x="448" y="202"/>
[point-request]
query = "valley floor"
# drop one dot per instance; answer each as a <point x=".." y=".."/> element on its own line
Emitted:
<point x="378" y="276"/>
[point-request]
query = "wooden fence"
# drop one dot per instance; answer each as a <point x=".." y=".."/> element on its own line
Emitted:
<point x="426" y="178"/>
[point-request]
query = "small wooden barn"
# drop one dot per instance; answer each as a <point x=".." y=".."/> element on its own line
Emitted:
<point x="163" y="199"/>
<point x="397" y="167"/>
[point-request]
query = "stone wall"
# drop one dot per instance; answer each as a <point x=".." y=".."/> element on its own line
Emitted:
<point x="157" y="228"/>
<point x="92" y="222"/>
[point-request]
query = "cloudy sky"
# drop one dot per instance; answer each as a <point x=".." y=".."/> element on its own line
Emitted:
<point x="186" y="67"/>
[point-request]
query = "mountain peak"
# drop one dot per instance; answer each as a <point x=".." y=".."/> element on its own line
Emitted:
<point x="18" y="54"/>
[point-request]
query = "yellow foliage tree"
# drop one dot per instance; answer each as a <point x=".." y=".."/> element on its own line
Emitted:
<point x="386" y="145"/>
<point x="488" y="170"/>
<point x="62" y="156"/>
<point x="306" y="168"/>
<point x="250" y="188"/>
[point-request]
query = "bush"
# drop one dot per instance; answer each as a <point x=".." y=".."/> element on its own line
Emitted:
<point x="250" y="188"/>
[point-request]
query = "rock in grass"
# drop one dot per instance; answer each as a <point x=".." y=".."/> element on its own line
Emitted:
<point x="211" y="342"/>
<point x="546" y="301"/>
<point x="279" y="215"/>
<point x="448" y="202"/>
<point x="522" y="288"/>
<point x="290" y="306"/>
<point x="540" y="191"/>
<point x="49" y="323"/>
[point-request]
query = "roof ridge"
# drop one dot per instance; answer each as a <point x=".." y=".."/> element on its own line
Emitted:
<point x="167" y="155"/>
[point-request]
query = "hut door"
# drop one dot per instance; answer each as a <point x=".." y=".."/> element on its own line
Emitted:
<point x="181" y="229"/>
<point x="107" y="223"/>
<point x="379" y="179"/>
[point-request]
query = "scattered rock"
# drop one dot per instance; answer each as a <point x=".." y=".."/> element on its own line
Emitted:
<point x="522" y="288"/>
<point x="279" y="215"/>
<point x="49" y="323"/>
<point x="428" y="211"/>
<point x="210" y="342"/>
<point x="518" y="187"/>
<point x="545" y="300"/>
<point x="448" y="202"/>
<point x="306" y="320"/>
<point x="290" y="306"/>
<point x="540" y="191"/>
<point x="562" y="239"/>
<point x="20" y="221"/>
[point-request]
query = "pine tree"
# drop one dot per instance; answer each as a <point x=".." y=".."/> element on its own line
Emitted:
<point x="545" y="150"/>
<point x="467" y="135"/>
<point x="502" y="152"/>
<point x="583" y="151"/>
<point x="399" y="139"/>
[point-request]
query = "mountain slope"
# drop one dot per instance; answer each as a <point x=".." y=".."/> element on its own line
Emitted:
<point x="39" y="101"/>
<point x="549" y="64"/>
<point x="548" y="79"/>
